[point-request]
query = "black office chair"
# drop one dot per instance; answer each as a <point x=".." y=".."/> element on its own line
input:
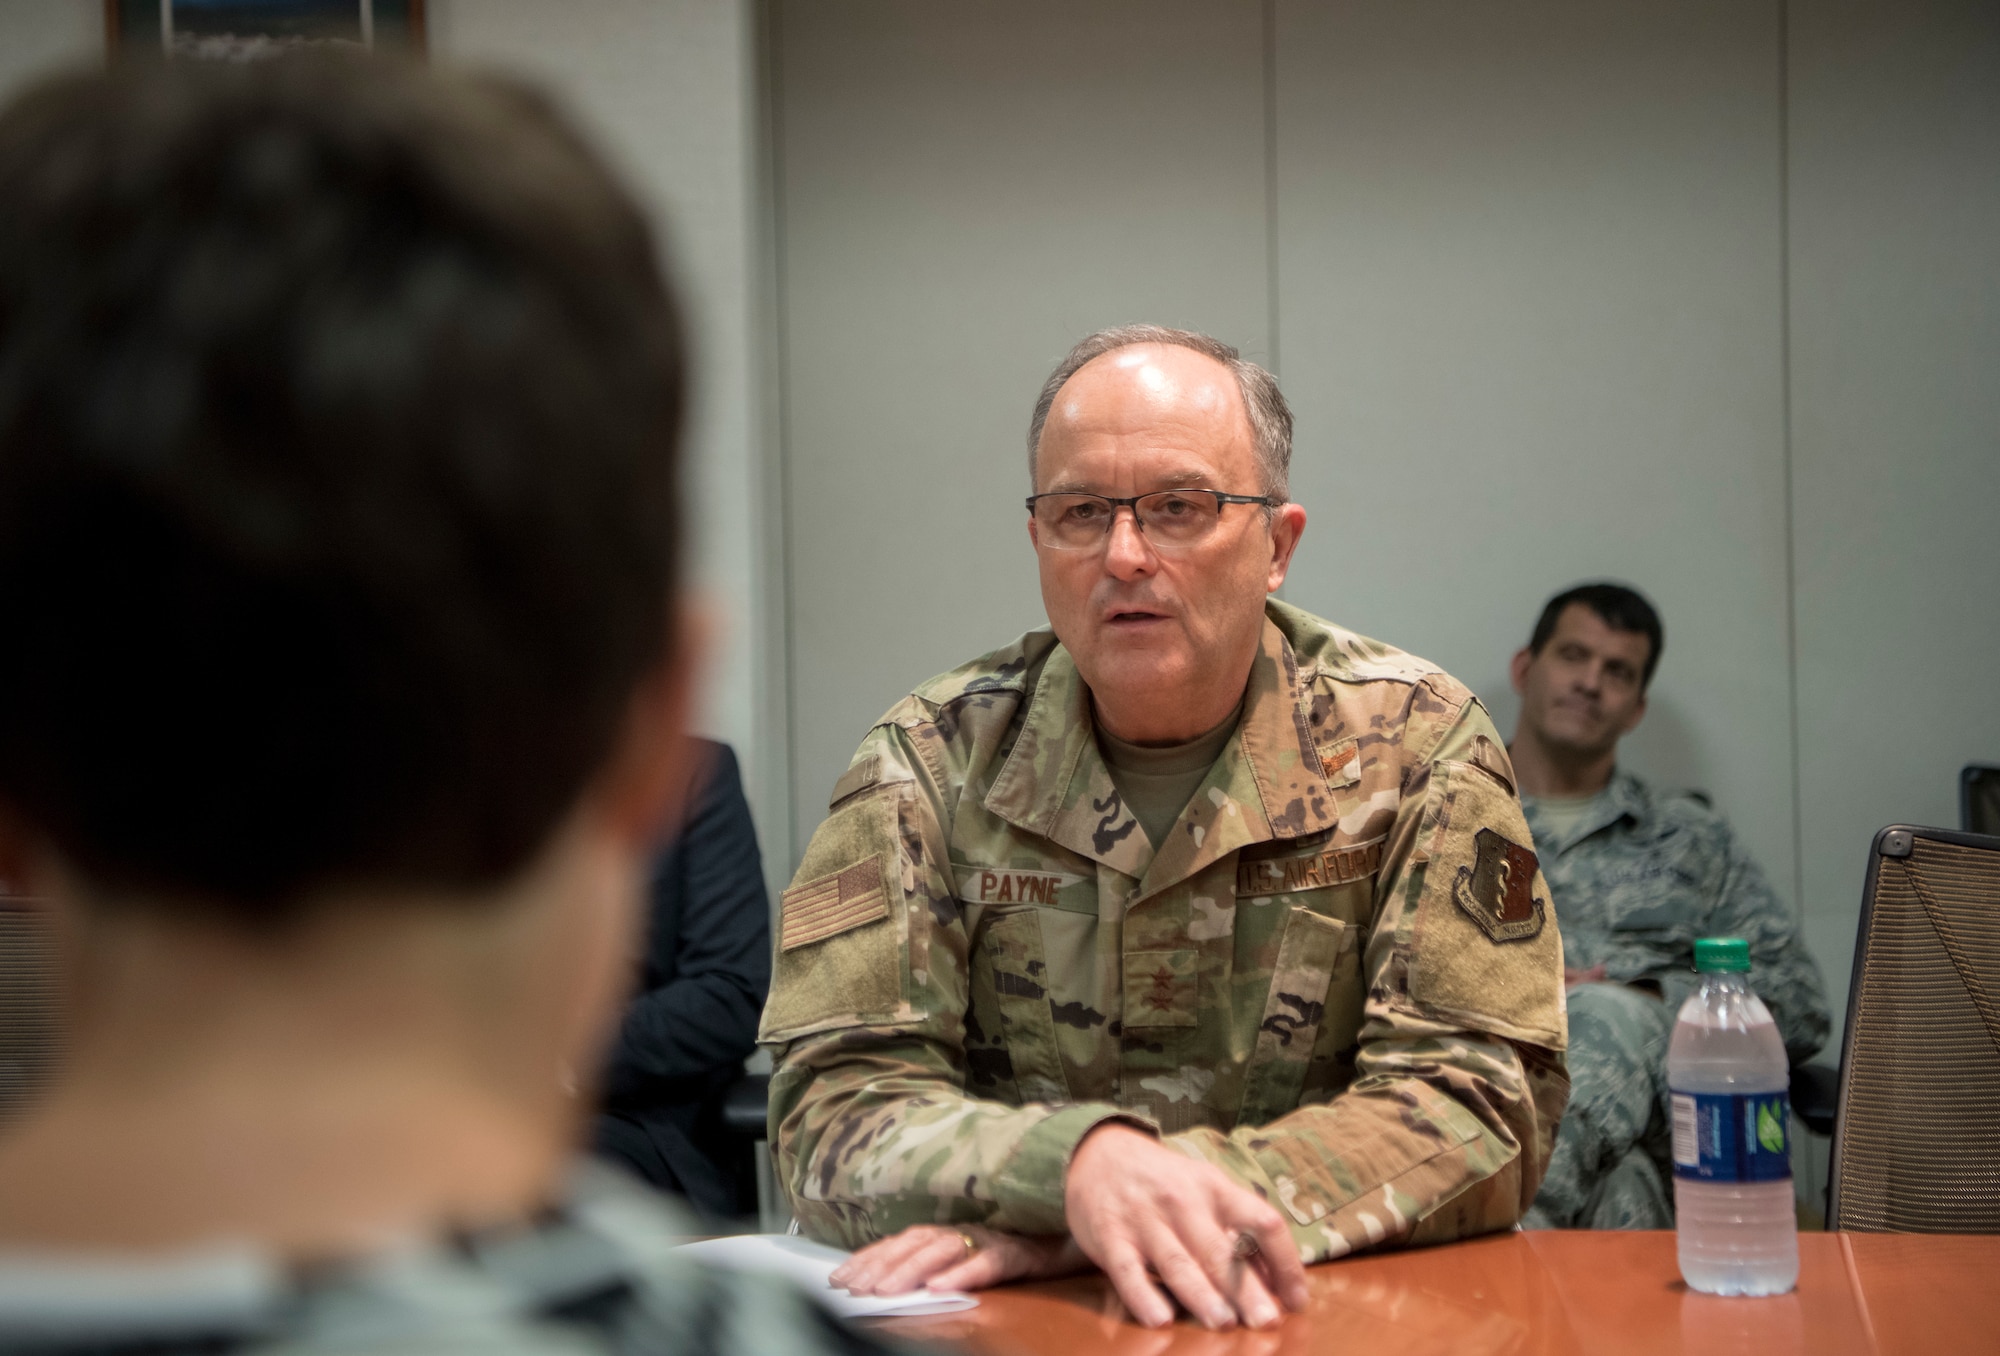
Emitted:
<point x="1979" y="798"/>
<point x="745" y="1107"/>
<point x="745" y="1104"/>
<point x="1916" y="1144"/>
<point x="1815" y="1094"/>
<point x="28" y="1041"/>
<point x="1816" y="1087"/>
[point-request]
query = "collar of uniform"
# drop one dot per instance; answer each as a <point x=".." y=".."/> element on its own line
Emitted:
<point x="1054" y="783"/>
<point x="1268" y="782"/>
<point x="1628" y="799"/>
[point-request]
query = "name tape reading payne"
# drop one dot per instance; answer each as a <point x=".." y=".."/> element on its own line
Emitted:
<point x="1011" y="885"/>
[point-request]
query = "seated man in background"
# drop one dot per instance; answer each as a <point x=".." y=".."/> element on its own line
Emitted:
<point x="1193" y="929"/>
<point x="687" y="1031"/>
<point x="339" y="420"/>
<point x="1637" y="876"/>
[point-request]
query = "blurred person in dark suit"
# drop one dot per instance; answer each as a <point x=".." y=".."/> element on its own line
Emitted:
<point x="706" y="969"/>
<point x="340" y="414"/>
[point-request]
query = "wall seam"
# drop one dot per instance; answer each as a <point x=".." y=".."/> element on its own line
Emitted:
<point x="772" y="66"/>
<point x="1271" y="334"/>
<point x="1785" y="403"/>
<point x="1271" y="184"/>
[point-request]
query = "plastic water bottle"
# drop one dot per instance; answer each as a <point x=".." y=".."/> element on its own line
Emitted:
<point x="1738" y="1230"/>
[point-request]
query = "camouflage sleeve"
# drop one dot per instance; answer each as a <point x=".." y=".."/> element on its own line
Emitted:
<point x="1459" y="1078"/>
<point x="1781" y="969"/>
<point x="869" y="1117"/>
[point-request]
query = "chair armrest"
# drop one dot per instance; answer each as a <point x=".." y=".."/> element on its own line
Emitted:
<point x="746" y="1105"/>
<point x="1816" y="1095"/>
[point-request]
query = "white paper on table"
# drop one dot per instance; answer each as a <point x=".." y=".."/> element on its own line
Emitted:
<point x="808" y="1264"/>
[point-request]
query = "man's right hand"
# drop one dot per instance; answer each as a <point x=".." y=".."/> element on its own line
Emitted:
<point x="1134" y="1204"/>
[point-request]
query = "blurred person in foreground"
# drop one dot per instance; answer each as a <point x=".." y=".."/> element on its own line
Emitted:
<point x="339" y="426"/>
<point x="1638" y="874"/>
<point x="1193" y="937"/>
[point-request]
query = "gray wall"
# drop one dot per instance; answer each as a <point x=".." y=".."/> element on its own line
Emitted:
<point x="1894" y="170"/>
<point x="1702" y="296"/>
<point x="38" y="35"/>
<point x="964" y="190"/>
<point x="670" y="89"/>
<point x="1531" y="314"/>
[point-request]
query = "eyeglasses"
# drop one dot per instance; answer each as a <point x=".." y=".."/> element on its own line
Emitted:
<point x="1170" y="519"/>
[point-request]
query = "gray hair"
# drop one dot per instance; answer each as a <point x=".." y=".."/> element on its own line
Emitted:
<point x="1270" y="416"/>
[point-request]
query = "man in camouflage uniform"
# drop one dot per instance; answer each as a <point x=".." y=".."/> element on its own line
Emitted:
<point x="1638" y="875"/>
<point x="1318" y="995"/>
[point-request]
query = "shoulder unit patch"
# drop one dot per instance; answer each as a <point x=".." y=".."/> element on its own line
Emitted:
<point x="1498" y="890"/>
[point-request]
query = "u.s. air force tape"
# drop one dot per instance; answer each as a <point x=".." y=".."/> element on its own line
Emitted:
<point x="1319" y="870"/>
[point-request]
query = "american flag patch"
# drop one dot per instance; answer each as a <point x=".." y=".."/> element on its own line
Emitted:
<point x="831" y="905"/>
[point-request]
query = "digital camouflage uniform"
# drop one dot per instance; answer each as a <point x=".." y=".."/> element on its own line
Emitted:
<point x="1338" y="980"/>
<point x="1636" y="881"/>
<point x="598" y="1275"/>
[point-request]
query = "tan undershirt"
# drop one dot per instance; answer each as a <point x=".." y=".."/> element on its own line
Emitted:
<point x="1158" y="780"/>
<point x="1561" y="814"/>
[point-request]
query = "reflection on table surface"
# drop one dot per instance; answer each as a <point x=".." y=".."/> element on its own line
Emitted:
<point x="1532" y="1293"/>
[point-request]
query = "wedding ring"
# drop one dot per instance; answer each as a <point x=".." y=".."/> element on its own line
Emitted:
<point x="971" y="1243"/>
<point x="1246" y="1246"/>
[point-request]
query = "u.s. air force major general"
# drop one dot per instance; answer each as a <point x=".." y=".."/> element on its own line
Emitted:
<point x="1193" y="933"/>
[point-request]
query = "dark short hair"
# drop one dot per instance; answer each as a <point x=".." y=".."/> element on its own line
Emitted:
<point x="339" y="418"/>
<point x="1618" y="607"/>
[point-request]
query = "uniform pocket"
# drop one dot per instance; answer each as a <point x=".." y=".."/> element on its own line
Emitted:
<point x="1161" y="988"/>
<point x="1015" y="981"/>
<point x="1313" y="948"/>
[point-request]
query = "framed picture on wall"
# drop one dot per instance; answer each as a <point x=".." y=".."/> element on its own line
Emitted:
<point x="248" y="30"/>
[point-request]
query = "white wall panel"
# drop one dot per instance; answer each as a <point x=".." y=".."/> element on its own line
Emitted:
<point x="670" y="90"/>
<point x="964" y="190"/>
<point x="1530" y="312"/>
<point x="37" y="36"/>
<point x="1895" y="258"/>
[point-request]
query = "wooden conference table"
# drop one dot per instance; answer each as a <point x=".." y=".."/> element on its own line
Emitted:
<point x="1535" y="1293"/>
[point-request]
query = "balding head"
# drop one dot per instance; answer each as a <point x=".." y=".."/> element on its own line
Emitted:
<point x="1260" y="403"/>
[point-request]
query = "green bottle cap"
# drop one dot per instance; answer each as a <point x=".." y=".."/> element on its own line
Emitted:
<point x="1722" y="955"/>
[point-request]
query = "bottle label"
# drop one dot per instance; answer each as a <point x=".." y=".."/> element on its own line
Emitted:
<point x="1732" y="1136"/>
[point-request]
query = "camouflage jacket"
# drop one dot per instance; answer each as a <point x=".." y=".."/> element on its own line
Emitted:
<point x="1337" y="980"/>
<point x="1643" y="874"/>
<point x="598" y="1275"/>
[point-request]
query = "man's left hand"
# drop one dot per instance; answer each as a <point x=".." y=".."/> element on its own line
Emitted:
<point x="1573" y="976"/>
<point x="935" y="1257"/>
